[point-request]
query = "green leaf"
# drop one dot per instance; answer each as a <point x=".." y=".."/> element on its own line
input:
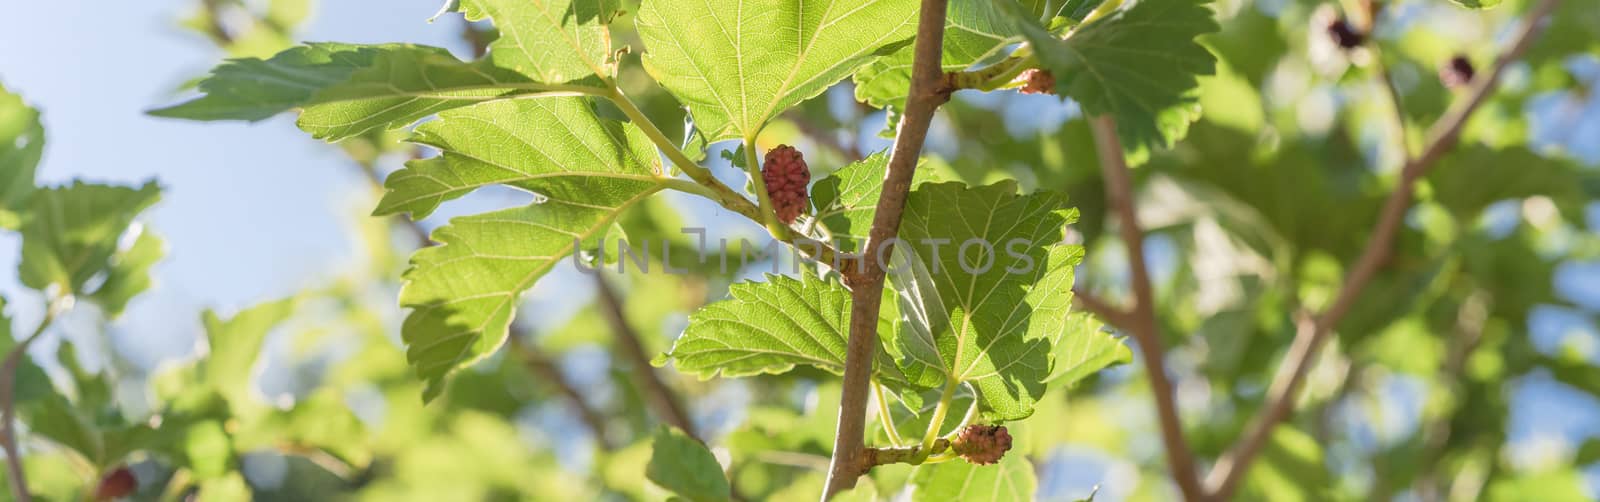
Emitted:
<point x="71" y="232"/>
<point x="510" y="143"/>
<point x="1010" y="480"/>
<point x="684" y="466"/>
<point x="738" y="63"/>
<point x="1140" y="64"/>
<point x="1477" y="4"/>
<point x="21" y="145"/>
<point x="234" y="344"/>
<point x="348" y="90"/>
<point x="770" y="327"/>
<point x="1290" y="469"/>
<point x="989" y="316"/>
<point x="463" y="292"/>
<point x="1085" y="348"/>
<point x="1472" y="177"/>
<point x="845" y="200"/>
<point x="550" y="41"/>
<point x="129" y="272"/>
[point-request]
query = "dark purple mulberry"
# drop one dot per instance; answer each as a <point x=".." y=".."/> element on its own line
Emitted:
<point x="982" y="444"/>
<point x="1036" y="81"/>
<point x="786" y="176"/>
<point x="1458" y="72"/>
<point x="1343" y="34"/>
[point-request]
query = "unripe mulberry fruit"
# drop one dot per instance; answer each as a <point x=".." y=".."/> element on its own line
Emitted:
<point x="117" y="484"/>
<point x="1343" y="34"/>
<point x="1036" y="81"/>
<point x="982" y="444"/>
<point x="786" y="175"/>
<point x="1457" y="72"/>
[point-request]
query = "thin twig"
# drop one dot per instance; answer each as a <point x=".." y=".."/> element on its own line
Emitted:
<point x="8" y="406"/>
<point x="1118" y="318"/>
<point x="545" y="369"/>
<point x="929" y="89"/>
<point x="657" y="393"/>
<point x="1141" y="322"/>
<point x="1312" y="334"/>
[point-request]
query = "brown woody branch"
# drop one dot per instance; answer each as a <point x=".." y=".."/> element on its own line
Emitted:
<point x="930" y="88"/>
<point x="1312" y="334"/>
<point x="8" y="407"/>
<point x="1141" y="322"/>
<point x="661" y="397"/>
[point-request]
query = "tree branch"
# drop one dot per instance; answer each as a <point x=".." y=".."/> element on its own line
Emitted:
<point x="1083" y="299"/>
<point x="542" y="367"/>
<point x="1311" y="334"/>
<point x="8" y="406"/>
<point x="1141" y="322"/>
<point x="930" y="88"/>
<point x="661" y="397"/>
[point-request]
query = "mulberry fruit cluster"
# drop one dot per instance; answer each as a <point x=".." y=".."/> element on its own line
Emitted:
<point x="786" y="175"/>
<point x="982" y="444"/>
<point x="1036" y="81"/>
<point x="1456" y="73"/>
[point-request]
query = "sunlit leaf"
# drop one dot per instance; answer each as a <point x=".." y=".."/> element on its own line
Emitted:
<point x="21" y="144"/>
<point x="684" y="466"/>
<point x="71" y="233"/>
<point x="1010" y="480"/>
<point x="738" y="63"/>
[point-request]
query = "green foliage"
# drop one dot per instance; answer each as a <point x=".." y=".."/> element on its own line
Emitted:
<point x="1011" y="480"/>
<point x="736" y="64"/>
<point x="21" y="144"/>
<point x="1140" y="65"/>
<point x="464" y="291"/>
<point x="989" y="316"/>
<point x="70" y="235"/>
<point x="684" y="466"/>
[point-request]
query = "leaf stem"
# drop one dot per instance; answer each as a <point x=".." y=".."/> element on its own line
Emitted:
<point x="884" y="418"/>
<point x="936" y="421"/>
<point x="769" y="214"/>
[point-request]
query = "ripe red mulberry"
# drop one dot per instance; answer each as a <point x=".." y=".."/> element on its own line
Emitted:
<point x="1036" y="81"/>
<point x="786" y="175"/>
<point x="982" y="444"/>
<point x="1456" y="73"/>
<point x="116" y="484"/>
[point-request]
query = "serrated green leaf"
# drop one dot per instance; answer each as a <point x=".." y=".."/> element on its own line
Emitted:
<point x="71" y="232"/>
<point x="1010" y="480"/>
<point x="770" y="327"/>
<point x="129" y="272"/>
<point x="684" y="466"/>
<point x="1084" y="348"/>
<point x="234" y="344"/>
<point x="738" y="63"/>
<point x="348" y="90"/>
<point x="990" y="316"/>
<point x="21" y="145"/>
<point x="550" y="41"/>
<point x="845" y="200"/>
<point x="463" y="292"/>
<point x="511" y="143"/>
<point x="1140" y="64"/>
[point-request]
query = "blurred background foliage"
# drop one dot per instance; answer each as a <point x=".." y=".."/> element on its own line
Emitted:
<point x="1467" y="371"/>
